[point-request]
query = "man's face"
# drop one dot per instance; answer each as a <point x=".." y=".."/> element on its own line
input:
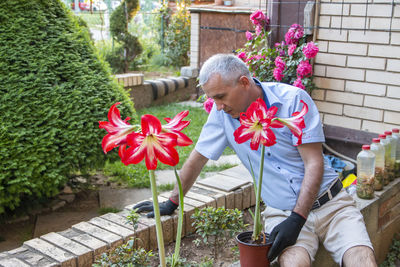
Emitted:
<point x="232" y="97"/>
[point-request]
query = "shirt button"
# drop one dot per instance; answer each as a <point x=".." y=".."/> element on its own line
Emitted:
<point x="268" y="154"/>
<point x="291" y="181"/>
<point x="279" y="168"/>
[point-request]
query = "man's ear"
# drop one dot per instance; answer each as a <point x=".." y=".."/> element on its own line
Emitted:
<point x="243" y="80"/>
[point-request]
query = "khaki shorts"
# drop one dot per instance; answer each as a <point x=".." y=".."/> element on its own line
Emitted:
<point x="338" y="225"/>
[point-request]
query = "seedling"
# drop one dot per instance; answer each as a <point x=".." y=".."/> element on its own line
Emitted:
<point x="217" y="225"/>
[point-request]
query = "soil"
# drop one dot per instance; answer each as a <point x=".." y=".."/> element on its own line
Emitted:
<point x="197" y="254"/>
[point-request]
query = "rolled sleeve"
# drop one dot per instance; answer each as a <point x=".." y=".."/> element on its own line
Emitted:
<point x="212" y="141"/>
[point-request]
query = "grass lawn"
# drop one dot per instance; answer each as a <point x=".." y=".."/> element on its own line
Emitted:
<point x="137" y="175"/>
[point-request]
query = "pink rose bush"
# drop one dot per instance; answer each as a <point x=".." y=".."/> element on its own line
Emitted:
<point x="287" y="61"/>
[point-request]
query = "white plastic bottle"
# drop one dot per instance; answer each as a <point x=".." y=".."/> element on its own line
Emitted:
<point x="386" y="145"/>
<point x="379" y="152"/>
<point x="393" y="144"/>
<point x="365" y="173"/>
<point x="396" y="135"/>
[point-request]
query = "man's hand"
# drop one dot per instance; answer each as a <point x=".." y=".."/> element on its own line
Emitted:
<point x="166" y="207"/>
<point x="285" y="234"/>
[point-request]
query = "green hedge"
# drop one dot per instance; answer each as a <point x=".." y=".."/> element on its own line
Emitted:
<point x="53" y="91"/>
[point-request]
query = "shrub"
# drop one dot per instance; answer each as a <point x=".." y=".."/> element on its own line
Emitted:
<point x="129" y="46"/>
<point x="54" y="90"/>
<point x="217" y="224"/>
<point x="177" y="39"/>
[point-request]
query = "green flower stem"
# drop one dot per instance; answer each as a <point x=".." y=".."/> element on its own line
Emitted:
<point x="157" y="217"/>
<point x="180" y="221"/>
<point x="257" y="214"/>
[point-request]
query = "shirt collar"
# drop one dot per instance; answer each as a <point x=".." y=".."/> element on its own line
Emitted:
<point x="270" y="98"/>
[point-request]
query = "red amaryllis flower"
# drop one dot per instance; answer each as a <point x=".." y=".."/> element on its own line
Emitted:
<point x="255" y="125"/>
<point x="152" y="144"/>
<point x="296" y="123"/>
<point x="117" y="129"/>
<point x="176" y="125"/>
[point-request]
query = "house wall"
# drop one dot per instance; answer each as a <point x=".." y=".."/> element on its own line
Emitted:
<point x="357" y="69"/>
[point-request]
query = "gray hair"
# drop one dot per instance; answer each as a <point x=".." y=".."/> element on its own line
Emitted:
<point x="228" y="66"/>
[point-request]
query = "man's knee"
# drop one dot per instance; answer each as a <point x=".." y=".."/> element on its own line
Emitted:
<point x="353" y="256"/>
<point x="295" y="256"/>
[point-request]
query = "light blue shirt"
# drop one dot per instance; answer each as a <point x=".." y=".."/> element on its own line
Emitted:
<point x="283" y="167"/>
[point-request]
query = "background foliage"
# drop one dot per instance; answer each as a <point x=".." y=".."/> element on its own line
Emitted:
<point x="53" y="91"/>
<point x="128" y="46"/>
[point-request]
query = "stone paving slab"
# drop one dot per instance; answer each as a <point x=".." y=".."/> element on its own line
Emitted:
<point x="111" y="239"/>
<point x="96" y="245"/>
<point x="112" y="227"/>
<point x="61" y="256"/>
<point x="222" y="182"/>
<point x="239" y="172"/>
<point x="13" y="262"/>
<point x="84" y="254"/>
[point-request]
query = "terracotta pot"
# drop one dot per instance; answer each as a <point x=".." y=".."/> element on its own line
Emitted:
<point x="252" y="255"/>
<point x="219" y="2"/>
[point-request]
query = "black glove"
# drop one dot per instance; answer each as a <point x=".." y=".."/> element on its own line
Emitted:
<point x="285" y="234"/>
<point x="166" y="207"/>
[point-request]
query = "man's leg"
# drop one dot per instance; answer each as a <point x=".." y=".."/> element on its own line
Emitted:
<point x="295" y="256"/>
<point x="353" y="256"/>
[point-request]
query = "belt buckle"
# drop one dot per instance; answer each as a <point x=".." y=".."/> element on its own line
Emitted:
<point x="316" y="205"/>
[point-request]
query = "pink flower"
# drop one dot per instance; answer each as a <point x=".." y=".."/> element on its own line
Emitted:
<point x="304" y="69"/>
<point x="258" y="30"/>
<point x="242" y="56"/>
<point x="310" y="50"/>
<point x="257" y="17"/>
<point x="299" y="84"/>
<point x="255" y="125"/>
<point x="117" y="129"/>
<point x="151" y="144"/>
<point x="295" y="124"/>
<point x="208" y="104"/>
<point x="291" y="49"/>
<point x="249" y="36"/>
<point x="176" y="125"/>
<point x="279" y="63"/>
<point x="278" y="75"/>
<point x="294" y="33"/>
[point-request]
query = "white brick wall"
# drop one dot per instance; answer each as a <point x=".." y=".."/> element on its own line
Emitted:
<point x="346" y="98"/>
<point x="382" y="102"/>
<point x="194" y="40"/>
<point x="393" y="91"/>
<point x="393" y="65"/>
<point x="331" y="59"/>
<point x="358" y="67"/>
<point x="363" y="113"/>
<point x="366" y="88"/>
<point x="342" y="121"/>
<point x="366" y="62"/>
<point x="383" y="77"/>
<point x="327" y="107"/>
<point x="327" y="83"/>
<point x="347" y="48"/>
<point x="345" y="73"/>
<point x="392" y="117"/>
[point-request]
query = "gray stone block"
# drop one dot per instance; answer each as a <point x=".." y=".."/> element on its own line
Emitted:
<point x="61" y="256"/>
<point x="84" y="254"/>
<point x="124" y="232"/>
<point x="110" y="238"/>
<point x="13" y="262"/>
<point x="189" y="71"/>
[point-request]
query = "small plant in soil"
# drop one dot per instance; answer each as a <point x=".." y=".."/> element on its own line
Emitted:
<point x="217" y="225"/>
<point x="125" y="255"/>
<point x="133" y="218"/>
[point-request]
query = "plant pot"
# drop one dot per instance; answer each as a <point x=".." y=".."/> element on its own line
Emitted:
<point x="252" y="255"/>
<point x="219" y="2"/>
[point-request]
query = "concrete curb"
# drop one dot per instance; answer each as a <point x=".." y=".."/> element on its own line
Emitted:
<point x="232" y="188"/>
